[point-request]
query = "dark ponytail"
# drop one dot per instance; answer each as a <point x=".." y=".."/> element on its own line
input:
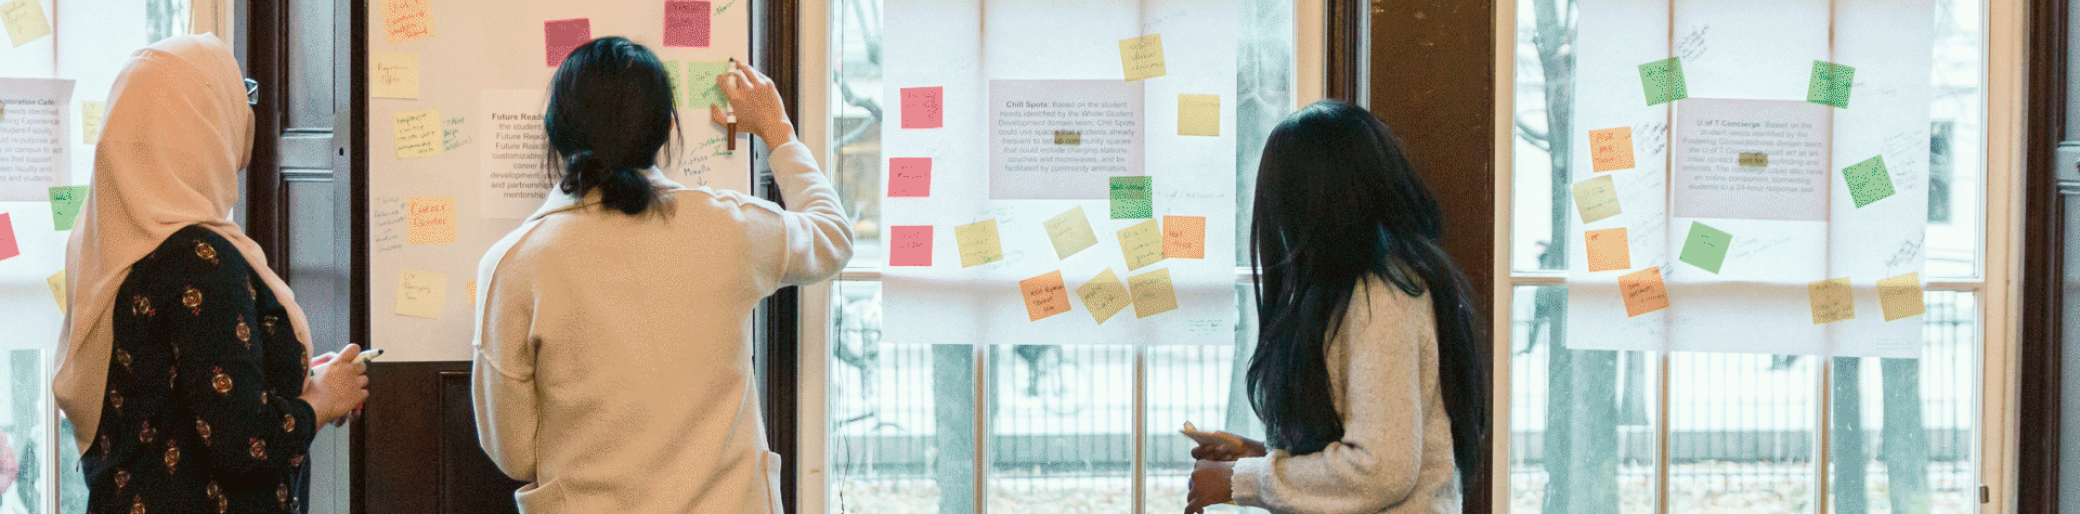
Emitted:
<point x="610" y="113"/>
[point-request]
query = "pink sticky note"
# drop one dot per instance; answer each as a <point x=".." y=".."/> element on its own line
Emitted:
<point x="562" y="36"/>
<point x="910" y="245"/>
<point x="8" y="249"/>
<point x="921" y="107"/>
<point x="909" y="177"/>
<point x="686" y="24"/>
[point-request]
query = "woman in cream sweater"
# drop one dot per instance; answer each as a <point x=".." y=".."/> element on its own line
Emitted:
<point x="612" y="370"/>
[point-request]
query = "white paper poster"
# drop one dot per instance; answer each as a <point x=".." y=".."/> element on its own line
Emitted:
<point x="1062" y="139"/>
<point x="35" y="129"/>
<point x="511" y="157"/>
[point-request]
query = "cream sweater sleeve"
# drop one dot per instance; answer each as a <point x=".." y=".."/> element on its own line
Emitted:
<point x="502" y="374"/>
<point x="1378" y="462"/>
<point x="819" y="235"/>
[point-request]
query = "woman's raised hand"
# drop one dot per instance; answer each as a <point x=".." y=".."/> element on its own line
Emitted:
<point x="756" y="104"/>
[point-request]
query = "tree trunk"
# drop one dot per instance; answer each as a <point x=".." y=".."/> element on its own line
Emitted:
<point x="1906" y="438"/>
<point x="953" y="409"/>
<point x="1850" y="461"/>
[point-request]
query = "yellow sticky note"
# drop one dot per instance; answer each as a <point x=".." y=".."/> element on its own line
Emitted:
<point x="1611" y="149"/>
<point x="393" y="74"/>
<point x="1142" y="244"/>
<point x="419" y="293"/>
<point x="1643" y="291"/>
<point x="472" y="285"/>
<point x="1900" y="297"/>
<point x="418" y="133"/>
<point x="1832" y="300"/>
<point x="431" y="218"/>
<point x="1608" y="249"/>
<point x="1104" y="296"/>
<point x="1596" y="198"/>
<point x="1184" y="237"/>
<point x="1153" y="293"/>
<point x="1142" y="57"/>
<point x="1198" y="115"/>
<point x="24" y="20"/>
<point x="978" y="243"/>
<point x="91" y="114"/>
<point x="1070" y="232"/>
<point x="57" y="283"/>
<point x="1044" y="295"/>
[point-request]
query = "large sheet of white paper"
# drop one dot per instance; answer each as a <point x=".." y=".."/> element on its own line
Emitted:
<point x="35" y="132"/>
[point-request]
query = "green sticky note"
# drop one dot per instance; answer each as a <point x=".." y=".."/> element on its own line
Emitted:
<point x="65" y="204"/>
<point x="1132" y="198"/>
<point x="1830" y="84"/>
<point x="671" y="72"/>
<point x="1868" y="181"/>
<point x="1705" y="247"/>
<point x="701" y="89"/>
<point x="1663" y="81"/>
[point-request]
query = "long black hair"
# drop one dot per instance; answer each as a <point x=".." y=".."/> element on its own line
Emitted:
<point x="610" y="111"/>
<point x="1336" y="202"/>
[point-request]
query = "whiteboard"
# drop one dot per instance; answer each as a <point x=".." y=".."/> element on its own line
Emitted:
<point x="480" y="55"/>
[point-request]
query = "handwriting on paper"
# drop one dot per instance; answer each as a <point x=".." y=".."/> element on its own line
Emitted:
<point x="393" y="75"/>
<point x="1832" y="300"/>
<point x="1153" y="293"/>
<point x="1184" y="237"/>
<point x="431" y="219"/>
<point x="978" y="243"/>
<point x="1706" y="247"/>
<point x="405" y="21"/>
<point x="1132" y="197"/>
<point x="1070" y="232"/>
<point x="1104" y="296"/>
<point x="1643" y="291"/>
<point x="25" y="21"/>
<point x="1663" y="81"/>
<point x="910" y="245"/>
<point x="701" y="88"/>
<point x="1141" y="244"/>
<point x="417" y="133"/>
<point x="420" y="293"/>
<point x="1045" y="295"/>
<point x="91" y="114"/>
<point x="1900" y="297"/>
<point x="1611" y="149"/>
<point x="1141" y="58"/>
<point x="909" y="177"/>
<point x="1596" y="198"/>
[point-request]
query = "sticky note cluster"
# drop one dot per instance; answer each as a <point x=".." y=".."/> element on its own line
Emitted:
<point x="57" y="285"/>
<point x="1132" y="197"/>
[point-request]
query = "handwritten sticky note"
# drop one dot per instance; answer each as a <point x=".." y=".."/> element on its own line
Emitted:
<point x="1830" y="84"/>
<point x="1045" y="295"/>
<point x="1596" y="198"/>
<point x="1142" y="244"/>
<point x="1608" y="249"/>
<point x="686" y="24"/>
<point x="910" y="245"/>
<point x="24" y="20"/>
<point x="1663" y="81"/>
<point x="978" y="243"/>
<point x="1184" y="237"/>
<point x="419" y="293"/>
<point x="909" y="177"/>
<point x="472" y="287"/>
<point x="405" y="21"/>
<point x="701" y="88"/>
<point x="1611" y="149"/>
<point x="1068" y="138"/>
<point x="1900" y="297"/>
<point x="1868" y="181"/>
<point x="1133" y="197"/>
<point x="1199" y="115"/>
<point x="431" y="219"/>
<point x="8" y="247"/>
<point x="91" y="114"/>
<point x="559" y="37"/>
<point x="1104" y="296"/>
<point x="1705" y="247"/>
<point x="393" y="75"/>
<point x="1832" y="300"/>
<point x="57" y="283"/>
<point x="1153" y="293"/>
<point x="921" y="107"/>
<point x="1754" y="160"/>
<point x="1141" y="58"/>
<point x="65" y="204"/>
<point x="1070" y="232"/>
<point x="1643" y="291"/>
<point x="417" y="133"/>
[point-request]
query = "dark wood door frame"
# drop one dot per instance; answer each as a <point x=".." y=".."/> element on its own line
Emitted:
<point x="2043" y="273"/>
<point x="777" y="42"/>
<point x="267" y="219"/>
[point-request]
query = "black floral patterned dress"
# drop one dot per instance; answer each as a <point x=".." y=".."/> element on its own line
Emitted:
<point x="202" y="413"/>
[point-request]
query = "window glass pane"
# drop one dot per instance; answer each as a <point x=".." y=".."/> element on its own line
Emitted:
<point x="1205" y="386"/>
<point x="1957" y="141"/>
<point x="1582" y="434"/>
<point x="1742" y="429"/>
<point x="1061" y="428"/>
<point x="1905" y="430"/>
<point x="902" y="423"/>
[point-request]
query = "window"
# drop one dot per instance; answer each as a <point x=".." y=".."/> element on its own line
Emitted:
<point x="1658" y="432"/>
<point x="1062" y="427"/>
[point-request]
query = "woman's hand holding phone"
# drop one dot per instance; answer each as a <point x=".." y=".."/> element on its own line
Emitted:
<point x="1222" y="446"/>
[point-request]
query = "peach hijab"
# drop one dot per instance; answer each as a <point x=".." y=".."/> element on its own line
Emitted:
<point x="178" y="132"/>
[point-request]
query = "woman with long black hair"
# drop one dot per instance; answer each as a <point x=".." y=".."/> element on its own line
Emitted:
<point x="1365" y="373"/>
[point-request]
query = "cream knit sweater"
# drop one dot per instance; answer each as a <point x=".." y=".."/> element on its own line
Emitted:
<point x="612" y="365"/>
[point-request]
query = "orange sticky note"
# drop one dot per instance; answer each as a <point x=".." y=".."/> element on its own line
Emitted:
<point x="1832" y="300"/>
<point x="1611" y="148"/>
<point x="1900" y="297"/>
<point x="406" y="21"/>
<point x="1643" y="291"/>
<point x="1608" y="249"/>
<point x="432" y="219"/>
<point x="1104" y="296"/>
<point x="1184" y="237"/>
<point x="419" y="293"/>
<point x="1153" y="293"/>
<point x="1045" y="295"/>
<point x="1141" y="244"/>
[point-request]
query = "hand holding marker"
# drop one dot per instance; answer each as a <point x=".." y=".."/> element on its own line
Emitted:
<point x="363" y="359"/>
